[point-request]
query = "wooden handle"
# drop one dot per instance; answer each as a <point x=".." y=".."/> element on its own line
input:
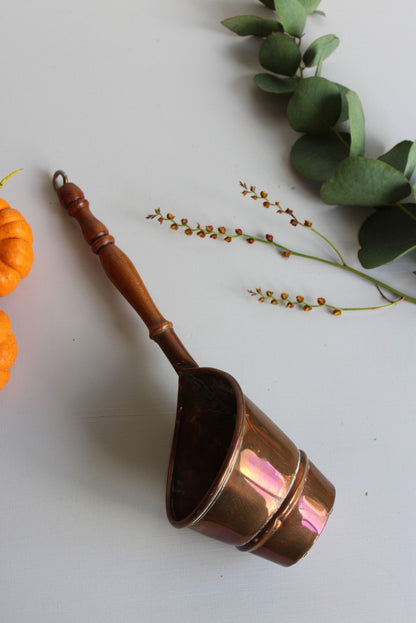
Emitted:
<point x="121" y="271"/>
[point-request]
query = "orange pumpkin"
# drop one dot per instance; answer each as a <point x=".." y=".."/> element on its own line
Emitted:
<point x="8" y="348"/>
<point x="16" y="253"/>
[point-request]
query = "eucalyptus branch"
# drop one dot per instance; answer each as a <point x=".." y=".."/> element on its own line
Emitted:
<point x="330" y="119"/>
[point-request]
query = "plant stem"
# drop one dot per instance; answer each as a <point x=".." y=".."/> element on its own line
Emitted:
<point x="345" y="267"/>
<point x="338" y="135"/>
<point x="331" y="244"/>
<point x="4" y="180"/>
<point x="405" y="210"/>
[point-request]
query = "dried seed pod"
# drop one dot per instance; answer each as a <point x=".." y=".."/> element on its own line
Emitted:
<point x="222" y="230"/>
<point x="188" y="232"/>
<point x="321" y="301"/>
<point x="307" y="308"/>
<point x="336" y="312"/>
<point x="170" y="216"/>
<point x="269" y="237"/>
<point x="250" y="240"/>
<point x="300" y="299"/>
<point x="286" y="254"/>
<point x="174" y="226"/>
<point x="284" y="296"/>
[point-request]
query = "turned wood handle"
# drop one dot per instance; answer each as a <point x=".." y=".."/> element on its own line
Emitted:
<point x="121" y="271"/>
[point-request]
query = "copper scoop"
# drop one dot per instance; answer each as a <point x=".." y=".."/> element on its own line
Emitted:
<point x="233" y="474"/>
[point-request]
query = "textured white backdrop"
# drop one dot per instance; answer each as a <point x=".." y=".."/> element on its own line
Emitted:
<point x="152" y="104"/>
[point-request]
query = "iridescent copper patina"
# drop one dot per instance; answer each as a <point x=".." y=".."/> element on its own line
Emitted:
<point x="233" y="474"/>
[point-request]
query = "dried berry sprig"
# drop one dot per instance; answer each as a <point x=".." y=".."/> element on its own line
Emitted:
<point x="263" y="195"/>
<point x="202" y="231"/>
<point x="299" y="301"/>
<point x="221" y="232"/>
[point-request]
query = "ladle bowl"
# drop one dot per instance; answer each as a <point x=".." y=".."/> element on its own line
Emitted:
<point x="233" y="474"/>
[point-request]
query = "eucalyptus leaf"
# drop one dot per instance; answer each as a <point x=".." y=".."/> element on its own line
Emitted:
<point x="363" y="181"/>
<point x="280" y="54"/>
<point x="402" y="157"/>
<point x="315" y="106"/>
<point x="310" y="5"/>
<point x="292" y="15"/>
<point x="317" y="157"/>
<point x="356" y="119"/>
<point x="411" y="161"/>
<point x="276" y="84"/>
<point x="245" y="25"/>
<point x="344" y="102"/>
<point x="320" y="49"/>
<point x="387" y="234"/>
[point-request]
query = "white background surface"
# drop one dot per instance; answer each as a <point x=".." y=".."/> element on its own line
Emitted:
<point x="152" y="104"/>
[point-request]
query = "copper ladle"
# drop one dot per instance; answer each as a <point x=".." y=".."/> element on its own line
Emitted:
<point x="233" y="474"/>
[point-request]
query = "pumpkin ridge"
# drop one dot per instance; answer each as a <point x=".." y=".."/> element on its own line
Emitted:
<point x="12" y="273"/>
<point x="15" y="238"/>
<point x="10" y="252"/>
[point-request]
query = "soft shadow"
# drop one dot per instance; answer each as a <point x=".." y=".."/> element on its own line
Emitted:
<point x="123" y="423"/>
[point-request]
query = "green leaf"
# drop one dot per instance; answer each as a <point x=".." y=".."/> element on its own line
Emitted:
<point x="245" y="25"/>
<point x="411" y="161"/>
<point x="360" y="181"/>
<point x="402" y="157"/>
<point x="344" y="102"/>
<point x="317" y="157"/>
<point x="276" y="84"/>
<point x="310" y="5"/>
<point x="280" y="54"/>
<point x="356" y="119"/>
<point x="320" y="49"/>
<point x="387" y="234"/>
<point x="292" y="15"/>
<point x="315" y="106"/>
